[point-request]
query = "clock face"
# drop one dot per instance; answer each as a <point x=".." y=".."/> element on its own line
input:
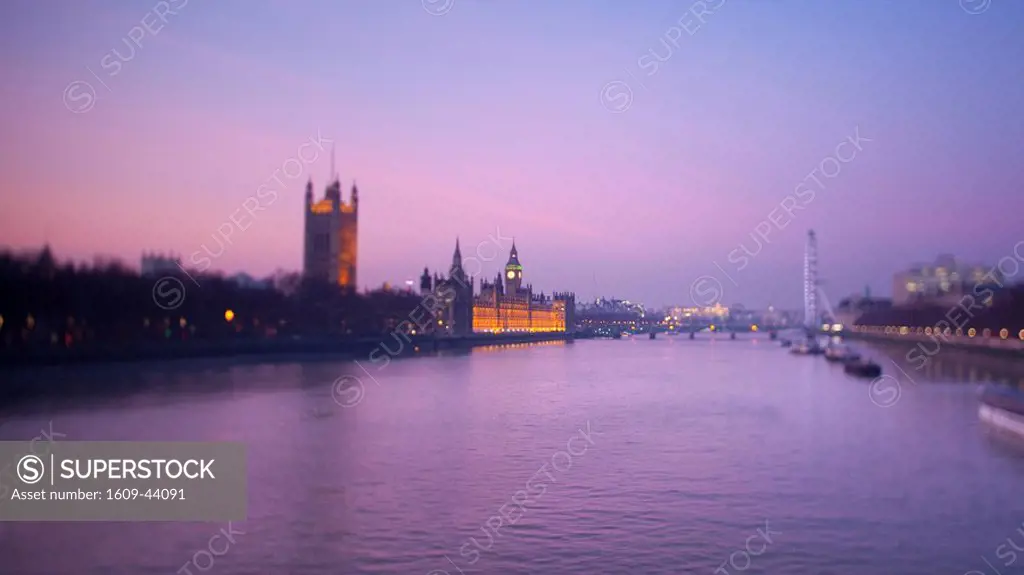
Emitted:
<point x="511" y="274"/>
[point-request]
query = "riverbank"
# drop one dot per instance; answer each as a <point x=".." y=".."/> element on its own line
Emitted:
<point x="984" y="345"/>
<point x="391" y="345"/>
<point x="42" y="374"/>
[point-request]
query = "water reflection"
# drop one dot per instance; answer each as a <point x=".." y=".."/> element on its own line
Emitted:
<point x="949" y="365"/>
<point x="695" y="442"/>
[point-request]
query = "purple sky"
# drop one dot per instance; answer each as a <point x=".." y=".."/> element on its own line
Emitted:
<point x="489" y="121"/>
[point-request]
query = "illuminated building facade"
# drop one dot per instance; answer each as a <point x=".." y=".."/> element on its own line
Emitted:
<point x="712" y="312"/>
<point x="501" y="306"/>
<point x="331" y="236"/>
<point x="505" y="305"/>
<point x="945" y="281"/>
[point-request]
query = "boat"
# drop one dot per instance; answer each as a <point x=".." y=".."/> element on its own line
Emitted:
<point x="1002" y="407"/>
<point x="862" y="368"/>
<point x="807" y="347"/>
<point x="1003" y="397"/>
<point x="1002" y="419"/>
<point x="840" y="353"/>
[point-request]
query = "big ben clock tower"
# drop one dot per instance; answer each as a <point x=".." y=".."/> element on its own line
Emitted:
<point x="513" y="272"/>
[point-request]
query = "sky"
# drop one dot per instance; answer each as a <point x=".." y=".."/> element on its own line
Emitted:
<point x="633" y="149"/>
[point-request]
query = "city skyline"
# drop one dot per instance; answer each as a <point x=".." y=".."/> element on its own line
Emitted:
<point x="635" y="192"/>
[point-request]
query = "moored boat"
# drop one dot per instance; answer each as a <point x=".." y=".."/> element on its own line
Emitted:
<point x="1002" y="419"/>
<point x="840" y="353"/>
<point x="1004" y="398"/>
<point x="809" y="347"/>
<point x="1002" y="407"/>
<point x="862" y="368"/>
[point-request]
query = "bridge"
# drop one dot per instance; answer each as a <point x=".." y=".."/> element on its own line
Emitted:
<point x="691" y="329"/>
<point x="618" y="325"/>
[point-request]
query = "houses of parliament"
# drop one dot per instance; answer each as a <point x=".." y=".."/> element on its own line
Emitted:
<point x="331" y="235"/>
<point x="504" y="305"/>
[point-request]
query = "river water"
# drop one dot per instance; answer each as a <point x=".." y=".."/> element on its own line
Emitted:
<point x="594" y="457"/>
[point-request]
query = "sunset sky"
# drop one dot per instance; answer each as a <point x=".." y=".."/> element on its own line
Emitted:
<point x="492" y="120"/>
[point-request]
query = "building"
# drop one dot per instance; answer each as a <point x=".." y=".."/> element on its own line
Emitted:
<point x="502" y="306"/>
<point x="244" y="280"/>
<point x="610" y="315"/>
<point x="945" y="281"/>
<point x="505" y="305"/>
<point x="160" y="264"/>
<point x="850" y="309"/>
<point x="330" y="252"/>
<point x="716" y="312"/>
<point x="591" y="319"/>
<point x="775" y="318"/>
<point x="286" y="282"/>
<point x="1002" y="320"/>
<point x="454" y="297"/>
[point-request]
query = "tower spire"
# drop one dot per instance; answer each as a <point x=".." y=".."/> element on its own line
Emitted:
<point x="334" y="173"/>
<point x="456" y="258"/>
<point x="513" y="255"/>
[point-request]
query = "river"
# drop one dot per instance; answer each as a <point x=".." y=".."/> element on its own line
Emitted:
<point x="597" y="457"/>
